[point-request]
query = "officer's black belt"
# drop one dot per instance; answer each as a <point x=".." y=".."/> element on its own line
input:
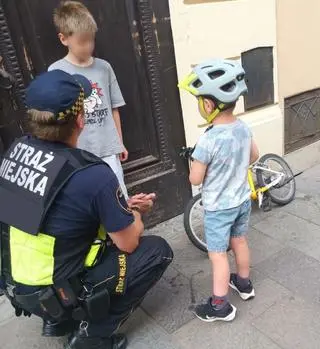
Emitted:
<point x="63" y="301"/>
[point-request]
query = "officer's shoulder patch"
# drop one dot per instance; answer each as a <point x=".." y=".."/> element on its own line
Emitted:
<point x="122" y="201"/>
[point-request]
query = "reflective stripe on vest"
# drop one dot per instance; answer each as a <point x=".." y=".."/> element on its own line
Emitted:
<point x="96" y="249"/>
<point x="32" y="257"/>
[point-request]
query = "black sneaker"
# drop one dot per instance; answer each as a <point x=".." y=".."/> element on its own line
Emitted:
<point x="245" y="293"/>
<point x="208" y="313"/>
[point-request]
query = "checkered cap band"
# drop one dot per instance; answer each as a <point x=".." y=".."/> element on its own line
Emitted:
<point x="74" y="110"/>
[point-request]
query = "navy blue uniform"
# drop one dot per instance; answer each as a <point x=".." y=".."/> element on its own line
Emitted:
<point x="92" y="197"/>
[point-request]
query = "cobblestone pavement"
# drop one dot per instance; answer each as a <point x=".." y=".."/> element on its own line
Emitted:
<point x="285" y="246"/>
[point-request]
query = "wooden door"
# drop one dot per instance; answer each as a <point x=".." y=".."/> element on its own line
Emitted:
<point x="135" y="37"/>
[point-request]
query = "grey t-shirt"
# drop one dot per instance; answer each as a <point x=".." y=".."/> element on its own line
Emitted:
<point x="100" y="135"/>
<point x="225" y="149"/>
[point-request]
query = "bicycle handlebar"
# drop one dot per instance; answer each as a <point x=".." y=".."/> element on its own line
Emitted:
<point x="186" y="152"/>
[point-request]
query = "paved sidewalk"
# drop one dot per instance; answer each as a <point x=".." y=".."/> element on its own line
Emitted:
<point x="285" y="314"/>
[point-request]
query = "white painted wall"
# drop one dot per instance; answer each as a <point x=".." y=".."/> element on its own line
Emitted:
<point x="298" y="46"/>
<point x="225" y="29"/>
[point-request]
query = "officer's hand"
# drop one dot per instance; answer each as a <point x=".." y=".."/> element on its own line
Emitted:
<point x="124" y="155"/>
<point x="141" y="198"/>
<point x="142" y="202"/>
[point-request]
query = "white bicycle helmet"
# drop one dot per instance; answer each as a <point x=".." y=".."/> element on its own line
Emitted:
<point x="223" y="80"/>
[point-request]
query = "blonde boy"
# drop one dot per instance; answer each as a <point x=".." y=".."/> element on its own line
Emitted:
<point x="102" y="134"/>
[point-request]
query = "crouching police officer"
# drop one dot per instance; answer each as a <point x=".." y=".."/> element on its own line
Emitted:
<point x="56" y="203"/>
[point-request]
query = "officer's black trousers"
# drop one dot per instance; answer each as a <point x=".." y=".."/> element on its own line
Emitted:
<point x="144" y="268"/>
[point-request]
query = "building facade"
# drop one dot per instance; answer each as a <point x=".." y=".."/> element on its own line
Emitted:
<point x="151" y="44"/>
<point x="275" y="40"/>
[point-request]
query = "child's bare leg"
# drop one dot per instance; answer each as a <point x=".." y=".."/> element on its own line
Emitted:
<point x="240" y="281"/>
<point x="218" y="306"/>
<point x="221" y="273"/>
<point x="218" y="225"/>
<point x="241" y="251"/>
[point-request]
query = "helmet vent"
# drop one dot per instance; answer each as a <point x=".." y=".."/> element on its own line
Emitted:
<point x="216" y="74"/>
<point x="229" y="87"/>
<point x="197" y="83"/>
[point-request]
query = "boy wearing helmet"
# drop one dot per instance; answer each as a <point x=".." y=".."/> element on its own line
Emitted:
<point x="221" y="160"/>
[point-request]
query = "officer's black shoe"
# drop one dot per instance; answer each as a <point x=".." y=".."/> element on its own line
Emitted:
<point x="58" y="329"/>
<point x="117" y="341"/>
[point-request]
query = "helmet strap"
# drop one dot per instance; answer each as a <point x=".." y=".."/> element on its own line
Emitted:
<point x="210" y="117"/>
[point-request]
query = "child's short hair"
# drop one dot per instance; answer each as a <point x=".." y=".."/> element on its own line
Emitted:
<point x="73" y="17"/>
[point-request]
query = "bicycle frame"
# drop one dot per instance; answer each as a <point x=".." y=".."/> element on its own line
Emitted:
<point x="257" y="193"/>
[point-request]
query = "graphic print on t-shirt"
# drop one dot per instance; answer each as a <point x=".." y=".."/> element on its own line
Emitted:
<point x="92" y="105"/>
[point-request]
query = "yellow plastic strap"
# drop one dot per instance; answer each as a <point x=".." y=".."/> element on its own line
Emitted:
<point x="185" y="84"/>
<point x="209" y="118"/>
<point x="201" y="107"/>
<point x="32" y="258"/>
<point x="215" y="113"/>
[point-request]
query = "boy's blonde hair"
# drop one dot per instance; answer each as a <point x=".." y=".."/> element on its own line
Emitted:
<point x="44" y="125"/>
<point x="73" y="17"/>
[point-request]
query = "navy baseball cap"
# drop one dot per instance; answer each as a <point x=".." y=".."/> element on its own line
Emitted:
<point x="59" y="93"/>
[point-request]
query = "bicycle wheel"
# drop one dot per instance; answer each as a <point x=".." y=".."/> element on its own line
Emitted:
<point x="282" y="193"/>
<point x="193" y="222"/>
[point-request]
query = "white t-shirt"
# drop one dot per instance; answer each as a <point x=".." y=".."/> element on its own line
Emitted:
<point x="100" y="135"/>
<point x="225" y="149"/>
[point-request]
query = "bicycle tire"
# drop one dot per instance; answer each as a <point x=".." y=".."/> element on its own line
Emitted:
<point x="187" y="226"/>
<point x="287" y="170"/>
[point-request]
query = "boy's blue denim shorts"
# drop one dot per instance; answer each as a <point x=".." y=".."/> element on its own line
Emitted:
<point x="219" y="226"/>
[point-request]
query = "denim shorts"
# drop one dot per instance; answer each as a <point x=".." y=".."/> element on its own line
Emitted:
<point x="219" y="226"/>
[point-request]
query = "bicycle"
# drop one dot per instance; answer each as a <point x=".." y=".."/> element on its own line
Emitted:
<point x="266" y="190"/>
